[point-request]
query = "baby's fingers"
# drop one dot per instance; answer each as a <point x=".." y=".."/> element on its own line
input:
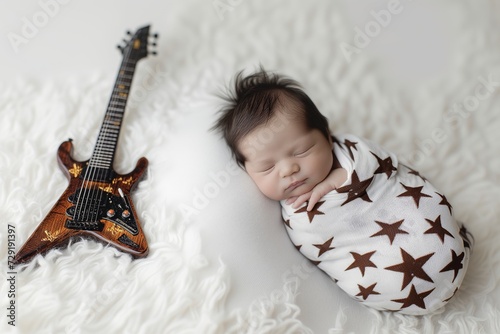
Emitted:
<point x="301" y="200"/>
<point x="313" y="200"/>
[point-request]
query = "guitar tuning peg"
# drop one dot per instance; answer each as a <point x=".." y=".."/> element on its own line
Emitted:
<point x="154" y="53"/>
<point x="125" y="41"/>
<point x="155" y="35"/>
<point x="129" y="32"/>
<point x="153" y="44"/>
<point x="120" y="47"/>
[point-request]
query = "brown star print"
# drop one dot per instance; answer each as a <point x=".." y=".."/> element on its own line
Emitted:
<point x="466" y="236"/>
<point x="415" y="192"/>
<point x="414" y="298"/>
<point x="414" y="172"/>
<point x="384" y="166"/>
<point x="444" y="201"/>
<point x="362" y="262"/>
<point x="313" y="212"/>
<point x="315" y="262"/>
<point x="287" y="223"/>
<point x="455" y="264"/>
<point x="365" y="292"/>
<point x="390" y="230"/>
<point x="356" y="189"/>
<point x="453" y="294"/>
<point x="324" y="247"/>
<point x="350" y="145"/>
<point x="438" y="229"/>
<point x="411" y="268"/>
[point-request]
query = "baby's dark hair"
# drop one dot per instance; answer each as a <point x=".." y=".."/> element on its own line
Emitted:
<point x="256" y="99"/>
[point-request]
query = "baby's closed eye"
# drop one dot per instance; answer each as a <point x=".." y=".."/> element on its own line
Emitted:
<point x="304" y="152"/>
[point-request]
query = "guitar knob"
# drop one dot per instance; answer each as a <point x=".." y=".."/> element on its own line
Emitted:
<point x="125" y="214"/>
<point x="110" y="213"/>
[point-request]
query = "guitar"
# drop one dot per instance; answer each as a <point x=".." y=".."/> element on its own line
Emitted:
<point x="97" y="201"/>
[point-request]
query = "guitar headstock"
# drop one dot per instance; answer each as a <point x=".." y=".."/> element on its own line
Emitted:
<point x="137" y="46"/>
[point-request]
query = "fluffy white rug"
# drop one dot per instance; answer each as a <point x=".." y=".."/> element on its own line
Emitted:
<point x="219" y="260"/>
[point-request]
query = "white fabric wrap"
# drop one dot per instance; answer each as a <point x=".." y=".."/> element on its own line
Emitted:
<point x="386" y="242"/>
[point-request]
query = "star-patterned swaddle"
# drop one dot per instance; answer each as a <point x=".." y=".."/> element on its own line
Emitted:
<point x="387" y="236"/>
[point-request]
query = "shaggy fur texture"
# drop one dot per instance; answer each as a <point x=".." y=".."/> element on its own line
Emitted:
<point x="220" y="260"/>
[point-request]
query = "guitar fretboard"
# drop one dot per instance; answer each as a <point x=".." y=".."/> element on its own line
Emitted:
<point x="107" y="140"/>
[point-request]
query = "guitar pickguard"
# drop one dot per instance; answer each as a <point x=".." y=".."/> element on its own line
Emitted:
<point x="95" y="204"/>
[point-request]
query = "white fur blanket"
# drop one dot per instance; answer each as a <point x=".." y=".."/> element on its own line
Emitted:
<point x="422" y="82"/>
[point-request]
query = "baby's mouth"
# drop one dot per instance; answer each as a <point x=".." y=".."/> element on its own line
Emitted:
<point x="295" y="184"/>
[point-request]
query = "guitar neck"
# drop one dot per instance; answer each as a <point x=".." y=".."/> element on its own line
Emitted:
<point x="107" y="140"/>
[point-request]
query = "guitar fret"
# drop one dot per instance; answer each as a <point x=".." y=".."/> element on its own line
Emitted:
<point x="106" y="149"/>
<point x="103" y="158"/>
<point x="122" y="81"/>
<point x="128" y="68"/>
<point x="108" y="135"/>
<point x="111" y="134"/>
<point x="109" y="124"/>
<point x="110" y="148"/>
<point x="104" y="153"/>
<point x="125" y="76"/>
<point x="111" y="128"/>
<point x="105" y="145"/>
<point x="100" y="165"/>
<point x="116" y="109"/>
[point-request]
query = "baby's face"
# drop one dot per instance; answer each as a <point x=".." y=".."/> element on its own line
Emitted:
<point x="285" y="158"/>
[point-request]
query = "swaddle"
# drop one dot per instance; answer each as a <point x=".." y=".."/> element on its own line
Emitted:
<point x="386" y="236"/>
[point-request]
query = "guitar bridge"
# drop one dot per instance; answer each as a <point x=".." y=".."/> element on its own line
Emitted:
<point x="85" y="226"/>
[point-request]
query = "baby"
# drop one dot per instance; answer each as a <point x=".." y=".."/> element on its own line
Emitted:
<point x="375" y="226"/>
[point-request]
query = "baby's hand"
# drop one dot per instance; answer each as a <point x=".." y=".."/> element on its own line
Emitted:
<point x="332" y="181"/>
<point x="311" y="197"/>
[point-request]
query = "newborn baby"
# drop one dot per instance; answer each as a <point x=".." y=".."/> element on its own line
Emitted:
<point x="375" y="226"/>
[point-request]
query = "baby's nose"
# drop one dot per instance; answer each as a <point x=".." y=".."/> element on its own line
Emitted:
<point x="289" y="169"/>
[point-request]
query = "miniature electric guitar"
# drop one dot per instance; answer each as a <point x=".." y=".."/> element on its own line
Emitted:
<point x="97" y="201"/>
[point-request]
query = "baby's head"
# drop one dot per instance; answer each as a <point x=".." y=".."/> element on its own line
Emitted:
<point x="276" y="134"/>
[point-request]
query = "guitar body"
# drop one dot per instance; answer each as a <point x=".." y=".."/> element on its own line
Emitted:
<point x="122" y="229"/>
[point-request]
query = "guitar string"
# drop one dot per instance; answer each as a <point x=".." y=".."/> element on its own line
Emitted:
<point x="128" y="66"/>
<point x="91" y="169"/>
<point x="107" y="127"/>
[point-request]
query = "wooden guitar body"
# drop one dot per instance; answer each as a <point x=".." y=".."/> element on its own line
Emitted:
<point x="115" y="221"/>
